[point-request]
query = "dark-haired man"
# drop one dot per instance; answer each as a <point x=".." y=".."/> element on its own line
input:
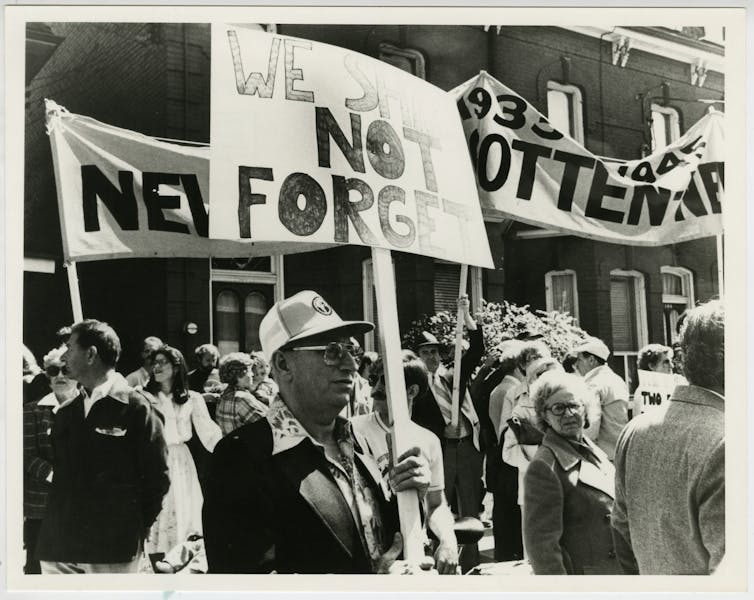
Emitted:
<point x="110" y="464"/>
<point x="140" y="376"/>
<point x="207" y="357"/>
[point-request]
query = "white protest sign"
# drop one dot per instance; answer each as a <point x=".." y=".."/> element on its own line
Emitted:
<point x="654" y="390"/>
<point x="532" y="173"/>
<point x="122" y="194"/>
<point x="315" y="143"/>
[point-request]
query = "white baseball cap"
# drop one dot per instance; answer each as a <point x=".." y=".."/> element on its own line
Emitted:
<point x="595" y="346"/>
<point x="300" y="316"/>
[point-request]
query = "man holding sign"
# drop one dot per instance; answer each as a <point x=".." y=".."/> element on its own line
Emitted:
<point x="292" y="493"/>
<point x="461" y="451"/>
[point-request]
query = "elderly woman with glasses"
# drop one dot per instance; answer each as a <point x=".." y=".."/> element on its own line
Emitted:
<point x="568" y="487"/>
<point x="237" y="404"/>
<point x="38" y="460"/>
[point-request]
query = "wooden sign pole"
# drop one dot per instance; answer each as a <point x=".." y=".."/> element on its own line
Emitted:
<point x="73" y="286"/>
<point x="390" y="350"/>
<point x="455" y="398"/>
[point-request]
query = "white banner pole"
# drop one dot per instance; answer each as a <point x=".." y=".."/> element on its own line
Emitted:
<point x="390" y="349"/>
<point x="73" y="286"/>
<point x="455" y="403"/>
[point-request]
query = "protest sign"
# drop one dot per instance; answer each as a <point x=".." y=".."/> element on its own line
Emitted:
<point x="122" y="194"/>
<point x="654" y="390"/>
<point x="316" y="143"/>
<point x="530" y="172"/>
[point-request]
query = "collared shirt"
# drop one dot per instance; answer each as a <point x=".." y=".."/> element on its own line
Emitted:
<point x="102" y="390"/>
<point x="139" y="377"/>
<point x="288" y="432"/>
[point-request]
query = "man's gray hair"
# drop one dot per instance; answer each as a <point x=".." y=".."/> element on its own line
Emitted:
<point x="703" y="346"/>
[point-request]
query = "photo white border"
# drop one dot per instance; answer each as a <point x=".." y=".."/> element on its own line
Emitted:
<point x="733" y="575"/>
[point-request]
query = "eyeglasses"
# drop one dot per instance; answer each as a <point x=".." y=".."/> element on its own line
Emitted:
<point x="559" y="409"/>
<point x="161" y="362"/>
<point x="52" y="371"/>
<point x="334" y="351"/>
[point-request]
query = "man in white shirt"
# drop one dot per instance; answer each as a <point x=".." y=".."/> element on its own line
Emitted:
<point x="591" y="364"/>
<point x="140" y="376"/>
<point x="372" y="432"/>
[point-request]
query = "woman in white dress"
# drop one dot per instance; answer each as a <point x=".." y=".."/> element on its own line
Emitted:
<point x="168" y="391"/>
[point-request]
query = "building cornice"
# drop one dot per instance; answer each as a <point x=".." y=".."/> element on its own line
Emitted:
<point x="662" y="42"/>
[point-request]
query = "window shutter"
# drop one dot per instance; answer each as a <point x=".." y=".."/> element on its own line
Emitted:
<point x="623" y="314"/>
<point x="447" y="280"/>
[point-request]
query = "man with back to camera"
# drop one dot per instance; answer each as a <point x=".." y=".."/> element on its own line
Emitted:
<point x="110" y="468"/>
<point x="292" y="492"/>
<point x="669" y="512"/>
<point x="591" y="364"/>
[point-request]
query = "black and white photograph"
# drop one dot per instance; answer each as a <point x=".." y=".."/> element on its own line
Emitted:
<point x="392" y="292"/>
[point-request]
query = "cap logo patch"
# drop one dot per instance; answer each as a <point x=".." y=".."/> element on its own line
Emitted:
<point x="322" y="307"/>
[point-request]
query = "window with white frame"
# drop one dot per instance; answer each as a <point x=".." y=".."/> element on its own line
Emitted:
<point x="665" y="126"/>
<point x="677" y="296"/>
<point x="628" y="311"/>
<point x="565" y="110"/>
<point x="561" y="292"/>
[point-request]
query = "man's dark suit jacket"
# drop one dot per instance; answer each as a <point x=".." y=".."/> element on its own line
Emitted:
<point x="425" y="411"/>
<point x="110" y="474"/>
<point x="283" y="512"/>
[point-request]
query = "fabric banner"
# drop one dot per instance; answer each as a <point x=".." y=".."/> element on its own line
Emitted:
<point x="122" y="194"/>
<point x="530" y="172"/>
<point x="311" y="142"/>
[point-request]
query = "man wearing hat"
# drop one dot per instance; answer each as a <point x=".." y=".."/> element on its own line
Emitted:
<point x="462" y="456"/>
<point x="292" y="492"/>
<point x="591" y="364"/>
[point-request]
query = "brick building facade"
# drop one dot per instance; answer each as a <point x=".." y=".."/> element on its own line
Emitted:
<point x="155" y="79"/>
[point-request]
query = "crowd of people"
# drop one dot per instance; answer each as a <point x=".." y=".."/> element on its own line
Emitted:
<point x="280" y="460"/>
